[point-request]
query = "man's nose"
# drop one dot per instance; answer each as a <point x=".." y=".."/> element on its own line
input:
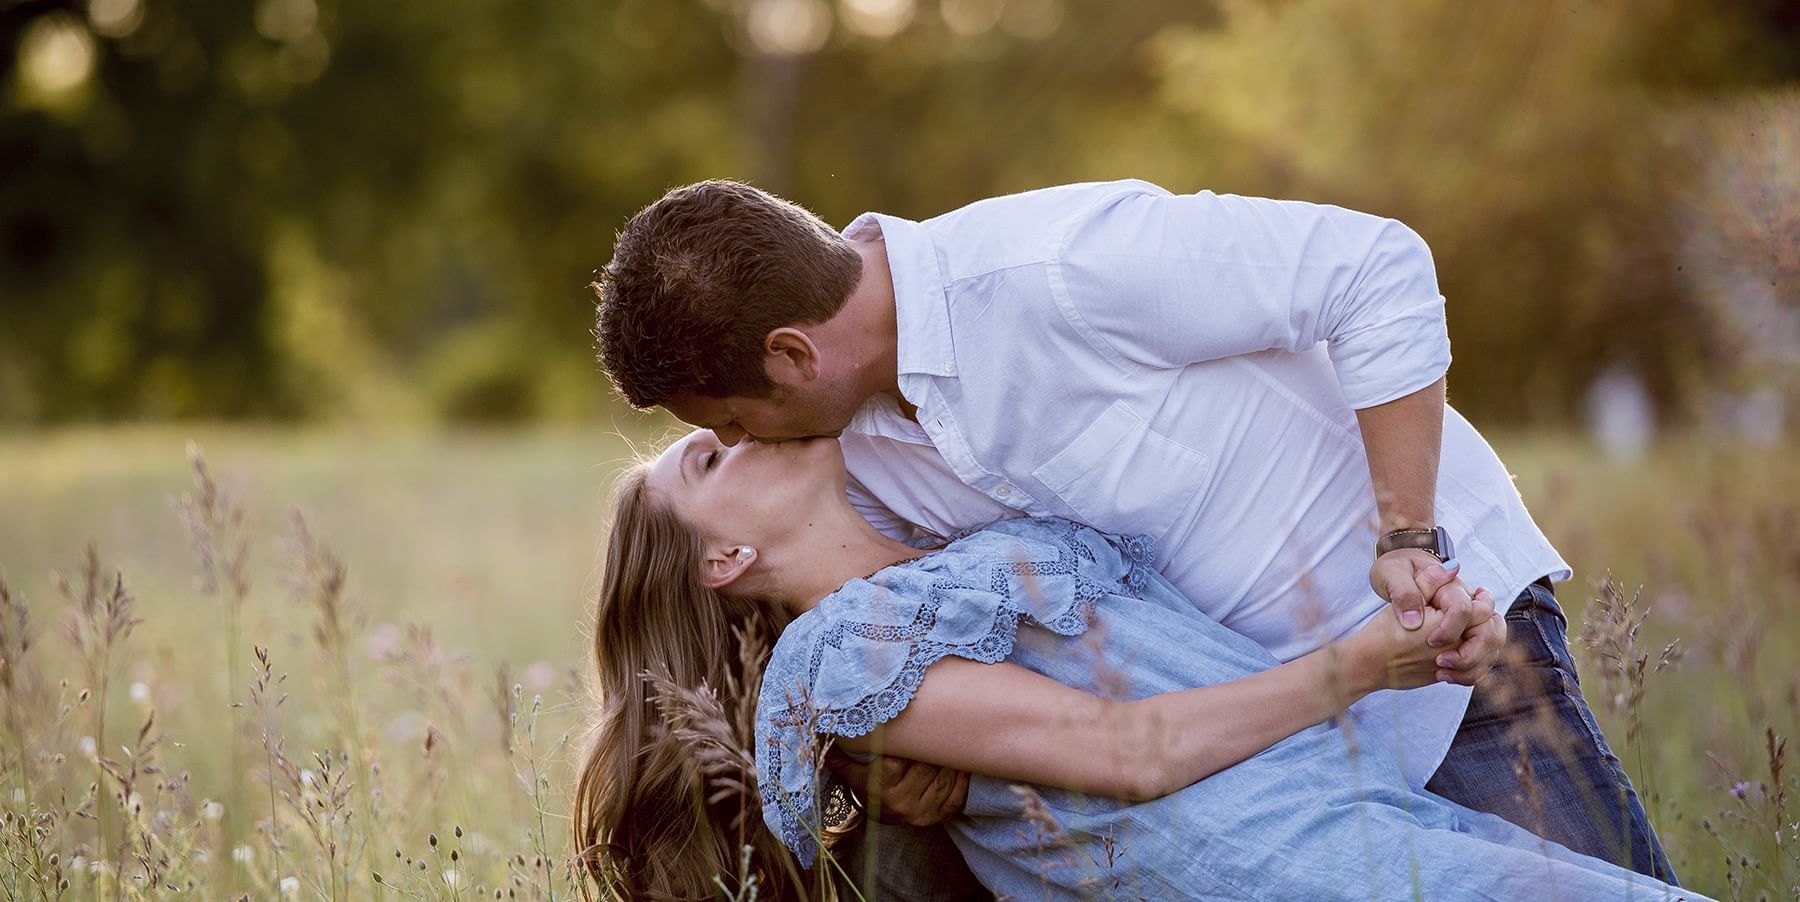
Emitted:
<point x="729" y="436"/>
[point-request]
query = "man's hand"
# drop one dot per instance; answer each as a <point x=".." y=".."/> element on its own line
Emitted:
<point x="899" y="791"/>
<point x="1481" y="648"/>
<point x="1385" y="655"/>
<point x="1409" y="579"/>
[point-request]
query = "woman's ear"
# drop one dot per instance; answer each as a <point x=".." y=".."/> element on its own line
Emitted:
<point x="791" y="358"/>
<point x="722" y="566"/>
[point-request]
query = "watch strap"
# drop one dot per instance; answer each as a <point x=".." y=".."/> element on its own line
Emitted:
<point x="1435" y="540"/>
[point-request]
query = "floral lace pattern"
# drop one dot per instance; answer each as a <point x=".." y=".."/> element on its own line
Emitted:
<point x="855" y="661"/>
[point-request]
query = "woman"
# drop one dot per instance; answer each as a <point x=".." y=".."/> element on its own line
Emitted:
<point x="1212" y="776"/>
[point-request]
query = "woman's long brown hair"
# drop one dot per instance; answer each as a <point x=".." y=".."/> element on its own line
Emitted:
<point x="646" y="823"/>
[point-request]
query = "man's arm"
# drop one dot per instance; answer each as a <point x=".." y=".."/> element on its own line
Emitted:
<point x="1170" y="280"/>
<point x="1401" y="439"/>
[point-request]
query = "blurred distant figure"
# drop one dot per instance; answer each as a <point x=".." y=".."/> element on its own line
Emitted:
<point x="1621" y="417"/>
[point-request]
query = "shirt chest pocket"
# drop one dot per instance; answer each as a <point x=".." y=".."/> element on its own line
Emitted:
<point x="1121" y="476"/>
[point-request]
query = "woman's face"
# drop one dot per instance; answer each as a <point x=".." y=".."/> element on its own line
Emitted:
<point x="749" y="493"/>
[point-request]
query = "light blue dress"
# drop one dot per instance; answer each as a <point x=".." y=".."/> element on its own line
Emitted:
<point x="1320" y="815"/>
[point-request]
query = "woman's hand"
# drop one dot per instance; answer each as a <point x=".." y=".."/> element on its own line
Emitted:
<point x="1386" y="655"/>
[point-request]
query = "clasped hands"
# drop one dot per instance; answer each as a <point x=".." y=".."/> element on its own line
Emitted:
<point x="922" y="795"/>
<point x="1469" y="634"/>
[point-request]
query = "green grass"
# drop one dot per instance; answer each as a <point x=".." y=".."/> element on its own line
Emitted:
<point x="489" y="541"/>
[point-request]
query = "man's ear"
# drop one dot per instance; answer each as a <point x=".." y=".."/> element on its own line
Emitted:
<point x="723" y="565"/>
<point x="791" y="357"/>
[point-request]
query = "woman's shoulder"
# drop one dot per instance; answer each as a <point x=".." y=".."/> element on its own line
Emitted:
<point x="1047" y="542"/>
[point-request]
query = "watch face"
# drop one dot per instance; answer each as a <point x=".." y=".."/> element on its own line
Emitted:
<point x="1445" y="548"/>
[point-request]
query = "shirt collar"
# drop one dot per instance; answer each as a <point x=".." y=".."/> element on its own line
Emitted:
<point x="921" y="306"/>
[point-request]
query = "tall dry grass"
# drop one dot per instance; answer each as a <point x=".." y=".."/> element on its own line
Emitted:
<point x="275" y="723"/>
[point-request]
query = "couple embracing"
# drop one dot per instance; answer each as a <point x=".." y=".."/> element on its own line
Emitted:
<point x="1114" y="542"/>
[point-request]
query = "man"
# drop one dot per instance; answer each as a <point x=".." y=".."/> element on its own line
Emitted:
<point x="1256" y="385"/>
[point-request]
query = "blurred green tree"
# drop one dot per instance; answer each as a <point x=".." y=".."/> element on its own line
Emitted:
<point x="312" y="208"/>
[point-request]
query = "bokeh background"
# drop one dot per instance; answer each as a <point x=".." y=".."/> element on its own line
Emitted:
<point x="294" y="209"/>
<point x="346" y="247"/>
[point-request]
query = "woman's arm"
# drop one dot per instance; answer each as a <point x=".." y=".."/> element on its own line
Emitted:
<point x="1009" y="722"/>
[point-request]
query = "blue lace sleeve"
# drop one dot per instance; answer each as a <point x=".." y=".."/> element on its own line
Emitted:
<point x="855" y="661"/>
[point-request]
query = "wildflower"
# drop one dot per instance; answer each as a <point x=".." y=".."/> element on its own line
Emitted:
<point x="86" y="745"/>
<point x="290" y="886"/>
<point x="382" y="642"/>
<point x="211" y="810"/>
<point x="244" y="855"/>
<point x="1741" y="789"/>
<point x="452" y="878"/>
<point x="140" y="693"/>
<point x="307" y="777"/>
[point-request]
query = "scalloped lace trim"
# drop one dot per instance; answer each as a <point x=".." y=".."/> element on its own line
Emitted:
<point x="887" y="703"/>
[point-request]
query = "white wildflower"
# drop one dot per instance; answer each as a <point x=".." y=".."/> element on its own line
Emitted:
<point x="290" y="886"/>
<point x="211" y="810"/>
<point x="307" y="778"/>
<point x="140" y="693"/>
<point x="244" y="855"/>
<point x="452" y="878"/>
<point x="86" y="745"/>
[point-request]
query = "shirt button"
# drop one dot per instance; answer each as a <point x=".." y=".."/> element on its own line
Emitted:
<point x="1003" y="491"/>
<point x="949" y="367"/>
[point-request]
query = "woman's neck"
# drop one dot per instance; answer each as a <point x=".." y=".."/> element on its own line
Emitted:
<point x="828" y="553"/>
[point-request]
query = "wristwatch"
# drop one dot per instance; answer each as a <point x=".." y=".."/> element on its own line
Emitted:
<point x="1435" y="540"/>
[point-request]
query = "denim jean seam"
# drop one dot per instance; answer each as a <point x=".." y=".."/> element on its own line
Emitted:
<point x="1570" y="685"/>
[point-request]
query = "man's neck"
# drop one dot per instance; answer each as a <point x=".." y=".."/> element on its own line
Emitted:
<point x="872" y="324"/>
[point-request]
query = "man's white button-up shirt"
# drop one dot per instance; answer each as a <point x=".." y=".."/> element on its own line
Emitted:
<point x="1185" y="367"/>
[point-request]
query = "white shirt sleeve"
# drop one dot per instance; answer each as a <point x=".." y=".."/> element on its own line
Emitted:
<point x="1167" y="280"/>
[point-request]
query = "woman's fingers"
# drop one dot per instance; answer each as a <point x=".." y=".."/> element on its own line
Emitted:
<point x="1462" y="611"/>
<point x="1433" y="577"/>
<point x="1479" y="651"/>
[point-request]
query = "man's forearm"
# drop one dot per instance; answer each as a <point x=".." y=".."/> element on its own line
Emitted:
<point x="1402" y="439"/>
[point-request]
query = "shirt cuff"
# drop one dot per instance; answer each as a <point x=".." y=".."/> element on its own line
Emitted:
<point x="1394" y="358"/>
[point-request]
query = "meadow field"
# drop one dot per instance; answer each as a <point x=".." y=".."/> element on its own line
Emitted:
<point x="346" y="664"/>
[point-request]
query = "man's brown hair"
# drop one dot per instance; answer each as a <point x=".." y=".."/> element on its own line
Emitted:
<point x="699" y="277"/>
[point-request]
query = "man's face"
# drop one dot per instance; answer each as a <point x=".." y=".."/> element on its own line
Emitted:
<point x="787" y="413"/>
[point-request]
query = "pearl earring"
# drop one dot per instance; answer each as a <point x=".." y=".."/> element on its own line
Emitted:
<point x="744" y="553"/>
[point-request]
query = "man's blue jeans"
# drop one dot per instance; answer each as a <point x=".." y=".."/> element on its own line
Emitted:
<point x="1530" y="751"/>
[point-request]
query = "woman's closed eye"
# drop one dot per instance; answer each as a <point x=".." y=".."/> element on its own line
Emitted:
<point x="712" y="457"/>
